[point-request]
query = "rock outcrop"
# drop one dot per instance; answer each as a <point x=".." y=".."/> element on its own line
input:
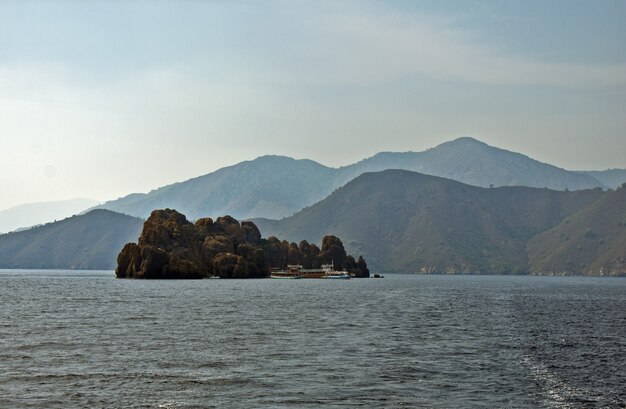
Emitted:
<point x="172" y="247"/>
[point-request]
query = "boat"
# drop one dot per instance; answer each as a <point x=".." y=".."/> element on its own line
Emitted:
<point x="283" y="275"/>
<point x="338" y="275"/>
<point x="296" y="271"/>
<point x="331" y="273"/>
<point x="292" y="272"/>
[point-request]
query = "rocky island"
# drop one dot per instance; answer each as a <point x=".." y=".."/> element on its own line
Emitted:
<point x="171" y="247"/>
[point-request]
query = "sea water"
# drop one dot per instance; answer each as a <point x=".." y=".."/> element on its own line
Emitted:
<point x="86" y="339"/>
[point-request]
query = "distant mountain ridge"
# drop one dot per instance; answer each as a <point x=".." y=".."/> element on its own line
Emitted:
<point x="90" y="241"/>
<point x="473" y="162"/>
<point x="31" y="214"/>
<point x="611" y="178"/>
<point x="401" y="221"/>
<point x="275" y="187"/>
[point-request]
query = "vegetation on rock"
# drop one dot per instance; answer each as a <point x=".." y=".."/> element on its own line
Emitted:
<point x="172" y="247"/>
<point x="591" y="241"/>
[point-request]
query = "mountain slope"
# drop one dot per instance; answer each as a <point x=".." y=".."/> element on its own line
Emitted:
<point x="407" y="222"/>
<point x="269" y="186"/>
<point x="275" y="187"/>
<point x="89" y="241"/>
<point x="611" y="178"/>
<point x="591" y="241"/>
<point x="470" y="161"/>
<point x="31" y="214"/>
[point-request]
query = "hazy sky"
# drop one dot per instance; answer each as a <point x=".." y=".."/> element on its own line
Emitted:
<point x="102" y="99"/>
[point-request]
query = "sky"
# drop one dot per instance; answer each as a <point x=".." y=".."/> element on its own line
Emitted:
<point x="101" y="99"/>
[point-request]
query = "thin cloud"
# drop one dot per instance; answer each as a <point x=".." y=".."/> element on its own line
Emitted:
<point x="378" y="44"/>
<point x="297" y="79"/>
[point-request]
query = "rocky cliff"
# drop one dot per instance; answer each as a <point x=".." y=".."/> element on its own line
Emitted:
<point x="170" y="246"/>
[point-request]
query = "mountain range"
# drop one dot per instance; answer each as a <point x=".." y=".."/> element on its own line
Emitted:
<point x="275" y="187"/>
<point x="31" y="214"/>
<point x="610" y="178"/>
<point x="269" y="186"/>
<point x="467" y="220"/>
<point x="403" y="221"/>
<point x="473" y="162"/>
<point x="400" y="221"/>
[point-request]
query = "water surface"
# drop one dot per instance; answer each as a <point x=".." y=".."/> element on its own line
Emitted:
<point x="86" y="339"/>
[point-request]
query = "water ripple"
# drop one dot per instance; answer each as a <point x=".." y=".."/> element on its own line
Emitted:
<point x="68" y="340"/>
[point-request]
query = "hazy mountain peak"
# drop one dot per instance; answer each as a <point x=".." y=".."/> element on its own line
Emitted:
<point x="471" y="161"/>
<point x="272" y="159"/>
<point x="275" y="186"/>
<point x="283" y="161"/>
<point x="466" y="140"/>
<point x="270" y="186"/>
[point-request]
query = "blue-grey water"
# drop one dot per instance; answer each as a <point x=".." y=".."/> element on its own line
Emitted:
<point x="86" y="339"/>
